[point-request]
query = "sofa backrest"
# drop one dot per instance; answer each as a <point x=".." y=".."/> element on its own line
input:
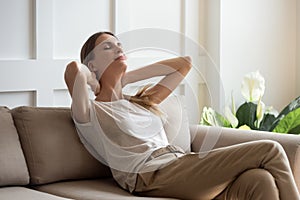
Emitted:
<point x="54" y="152"/>
<point x="52" y="147"/>
<point x="13" y="169"/>
<point x="177" y="123"/>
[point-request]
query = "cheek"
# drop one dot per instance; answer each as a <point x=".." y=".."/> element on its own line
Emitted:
<point x="103" y="60"/>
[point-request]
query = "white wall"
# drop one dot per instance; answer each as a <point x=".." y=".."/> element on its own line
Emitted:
<point x="16" y="32"/>
<point x="211" y="41"/>
<point x="38" y="39"/>
<point x="298" y="48"/>
<point x="259" y="35"/>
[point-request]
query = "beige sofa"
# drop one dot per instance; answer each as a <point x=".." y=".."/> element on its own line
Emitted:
<point x="41" y="156"/>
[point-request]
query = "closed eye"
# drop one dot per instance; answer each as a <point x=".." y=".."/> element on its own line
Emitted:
<point x="107" y="45"/>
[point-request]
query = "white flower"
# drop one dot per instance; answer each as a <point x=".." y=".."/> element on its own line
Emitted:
<point x="209" y="118"/>
<point x="260" y="111"/>
<point x="270" y="110"/>
<point x="233" y="104"/>
<point x="253" y="86"/>
<point x="231" y="117"/>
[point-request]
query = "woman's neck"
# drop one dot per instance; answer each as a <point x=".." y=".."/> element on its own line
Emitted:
<point x="110" y="93"/>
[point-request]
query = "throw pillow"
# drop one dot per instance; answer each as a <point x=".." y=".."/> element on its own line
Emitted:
<point x="52" y="147"/>
<point x="13" y="168"/>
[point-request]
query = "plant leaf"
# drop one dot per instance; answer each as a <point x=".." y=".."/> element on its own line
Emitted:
<point x="267" y="122"/>
<point x="290" y="107"/>
<point x="222" y="120"/>
<point x="230" y="117"/>
<point x="246" y="114"/>
<point x="290" y="123"/>
<point x="295" y="130"/>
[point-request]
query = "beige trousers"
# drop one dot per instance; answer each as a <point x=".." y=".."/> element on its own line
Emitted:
<point x="256" y="170"/>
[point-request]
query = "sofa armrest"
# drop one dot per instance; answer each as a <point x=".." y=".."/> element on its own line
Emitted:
<point x="205" y="138"/>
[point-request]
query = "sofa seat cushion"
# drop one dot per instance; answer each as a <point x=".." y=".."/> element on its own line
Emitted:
<point x="13" y="168"/>
<point x="26" y="194"/>
<point x="52" y="147"/>
<point x="90" y="190"/>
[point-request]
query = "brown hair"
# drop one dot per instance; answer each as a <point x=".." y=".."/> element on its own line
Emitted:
<point x="144" y="100"/>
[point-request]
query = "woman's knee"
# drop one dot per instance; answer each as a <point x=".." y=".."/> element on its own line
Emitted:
<point x="260" y="178"/>
<point x="258" y="183"/>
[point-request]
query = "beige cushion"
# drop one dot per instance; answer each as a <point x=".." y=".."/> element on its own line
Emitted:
<point x="13" y="169"/>
<point x="52" y="148"/>
<point x="14" y="193"/>
<point x="177" y="123"/>
<point x="91" y="190"/>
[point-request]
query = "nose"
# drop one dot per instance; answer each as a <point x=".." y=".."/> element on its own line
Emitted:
<point x="119" y="50"/>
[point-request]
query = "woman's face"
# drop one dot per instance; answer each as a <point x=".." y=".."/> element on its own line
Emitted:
<point x="107" y="51"/>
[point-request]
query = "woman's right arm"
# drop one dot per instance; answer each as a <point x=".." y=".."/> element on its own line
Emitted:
<point x="77" y="78"/>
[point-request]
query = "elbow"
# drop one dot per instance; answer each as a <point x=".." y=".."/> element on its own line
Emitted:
<point x="188" y="59"/>
<point x="71" y="71"/>
<point x="70" y="74"/>
<point x="187" y="65"/>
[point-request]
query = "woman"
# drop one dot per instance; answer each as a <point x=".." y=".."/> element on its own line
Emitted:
<point x="126" y="133"/>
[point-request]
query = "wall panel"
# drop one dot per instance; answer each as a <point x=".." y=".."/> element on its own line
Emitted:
<point x="12" y="99"/>
<point x="137" y="14"/>
<point x="17" y="28"/>
<point x="61" y="97"/>
<point x="75" y="21"/>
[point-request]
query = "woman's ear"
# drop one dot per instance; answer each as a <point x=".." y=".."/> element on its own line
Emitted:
<point x="94" y="69"/>
<point x="91" y="67"/>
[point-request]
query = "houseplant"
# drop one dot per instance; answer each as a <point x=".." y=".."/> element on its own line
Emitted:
<point x="253" y="114"/>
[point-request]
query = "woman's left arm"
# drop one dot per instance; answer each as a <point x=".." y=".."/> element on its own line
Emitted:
<point x="174" y="70"/>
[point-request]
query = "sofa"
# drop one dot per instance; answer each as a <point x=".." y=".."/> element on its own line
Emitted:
<point x="42" y="157"/>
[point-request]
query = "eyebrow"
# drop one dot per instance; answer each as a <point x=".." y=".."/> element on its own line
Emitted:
<point x="106" y="43"/>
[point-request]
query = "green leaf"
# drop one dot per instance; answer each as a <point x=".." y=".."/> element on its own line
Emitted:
<point x="292" y="106"/>
<point x="290" y="123"/>
<point x="295" y="130"/>
<point x="267" y="122"/>
<point x="246" y="114"/>
<point x="222" y="120"/>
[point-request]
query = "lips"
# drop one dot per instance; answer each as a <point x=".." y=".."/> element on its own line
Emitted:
<point x="121" y="57"/>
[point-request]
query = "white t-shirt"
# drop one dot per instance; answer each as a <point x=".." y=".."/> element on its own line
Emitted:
<point x="122" y="135"/>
